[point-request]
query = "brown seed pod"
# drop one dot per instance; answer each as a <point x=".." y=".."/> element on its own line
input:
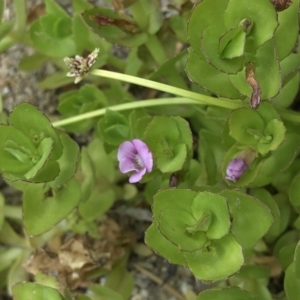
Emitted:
<point x="281" y="5"/>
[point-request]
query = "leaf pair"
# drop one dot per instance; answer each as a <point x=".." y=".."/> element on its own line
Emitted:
<point x="225" y="37"/>
<point x="29" y="146"/>
<point x="194" y="229"/>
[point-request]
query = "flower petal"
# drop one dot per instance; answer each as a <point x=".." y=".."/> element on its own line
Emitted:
<point x="235" y="169"/>
<point x="126" y="150"/>
<point x="144" y="153"/>
<point x="127" y="165"/>
<point x="137" y="176"/>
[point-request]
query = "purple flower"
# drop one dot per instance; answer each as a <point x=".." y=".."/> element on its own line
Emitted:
<point x="235" y="169"/>
<point x="135" y="156"/>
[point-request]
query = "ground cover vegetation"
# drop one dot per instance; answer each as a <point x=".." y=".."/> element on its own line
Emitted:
<point x="189" y="110"/>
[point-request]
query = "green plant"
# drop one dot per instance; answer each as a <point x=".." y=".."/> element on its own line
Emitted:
<point x="222" y="207"/>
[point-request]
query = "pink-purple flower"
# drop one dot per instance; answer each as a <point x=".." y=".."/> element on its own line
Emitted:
<point x="235" y="169"/>
<point x="134" y="156"/>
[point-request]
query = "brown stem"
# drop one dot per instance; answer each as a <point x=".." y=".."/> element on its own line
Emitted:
<point x="256" y="92"/>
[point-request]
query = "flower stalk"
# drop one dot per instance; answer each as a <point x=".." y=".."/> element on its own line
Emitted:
<point x="185" y="98"/>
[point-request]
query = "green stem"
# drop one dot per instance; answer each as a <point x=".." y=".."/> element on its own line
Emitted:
<point x="202" y="99"/>
<point x="187" y="98"/>
<point x="126" y="106"/>
<point x="286" y="114"/>
<point x="21" y="15"/>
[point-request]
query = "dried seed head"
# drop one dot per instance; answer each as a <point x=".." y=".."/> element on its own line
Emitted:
<point x="80" y="66"/>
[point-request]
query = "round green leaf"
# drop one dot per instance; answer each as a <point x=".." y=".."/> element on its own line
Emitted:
<point x="294" y="191"/>
<point x="16" y="151"/>
<point x="174" y="217"/>
<point x="170" y="141"/>
<point x="245" y="210"/>
<point x="26" y="154"/>
<point x="47" y="173"/>
<point x="216" y="205"/>
<point x="44" y="148"/>
<point x="42" y="212"/>
<point x="86" y="175"/>
<point x="267" y="111"/>
<point x="240" y="83"/>
<point x="267" y="72"/>
<point x="172" y="162"/>
<point x="114" y="128"/>
<point x="282" y="157"/>
<point x="254" y="272"/>
<point x="220" y="259"/>
<point x="10" y="237"/>
<point x="261" y="13"/>
<point x="52" y="36"/>
<point x="297" y="261"/>
<point x="289" y="238"/>
<point x="68" y="161"/>
<point x="265" y="197"/>
<point x="285" y="208"/>
<point x="288" y="22"/>
<point x="28" y="119"/>
<point x="288" y="93"/>
<point x="97" y="204"/>
<point x="162" y="246"/>
<point x="34" y="291"/>
<point x="210" y="47"/>
<point x="290" y="67"/>
<point x="274" y="135"/>
<point x="104" y="165"/>
<point x="282" y="181"/>
<point x="229" y="293"/>
<point x="291" y="283"/>
<point x="246" y="126"/>
<point x="286" y="255"/>
<point x="195" y="69"/>
<point x="232" y="43"/>
<point x="190" y="175"/>
<point x="205" y="14"/>
<point x="87" y="98"/>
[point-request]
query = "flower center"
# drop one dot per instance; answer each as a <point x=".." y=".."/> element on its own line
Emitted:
<point x="138" y="163"/>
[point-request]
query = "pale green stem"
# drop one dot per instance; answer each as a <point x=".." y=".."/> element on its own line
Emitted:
<point x="21" y="15"/>
<point x="286" y="114"/>
<point x="202" y="99"/>
<point x="126" y="106"/>
<point x="188" y="97"/>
